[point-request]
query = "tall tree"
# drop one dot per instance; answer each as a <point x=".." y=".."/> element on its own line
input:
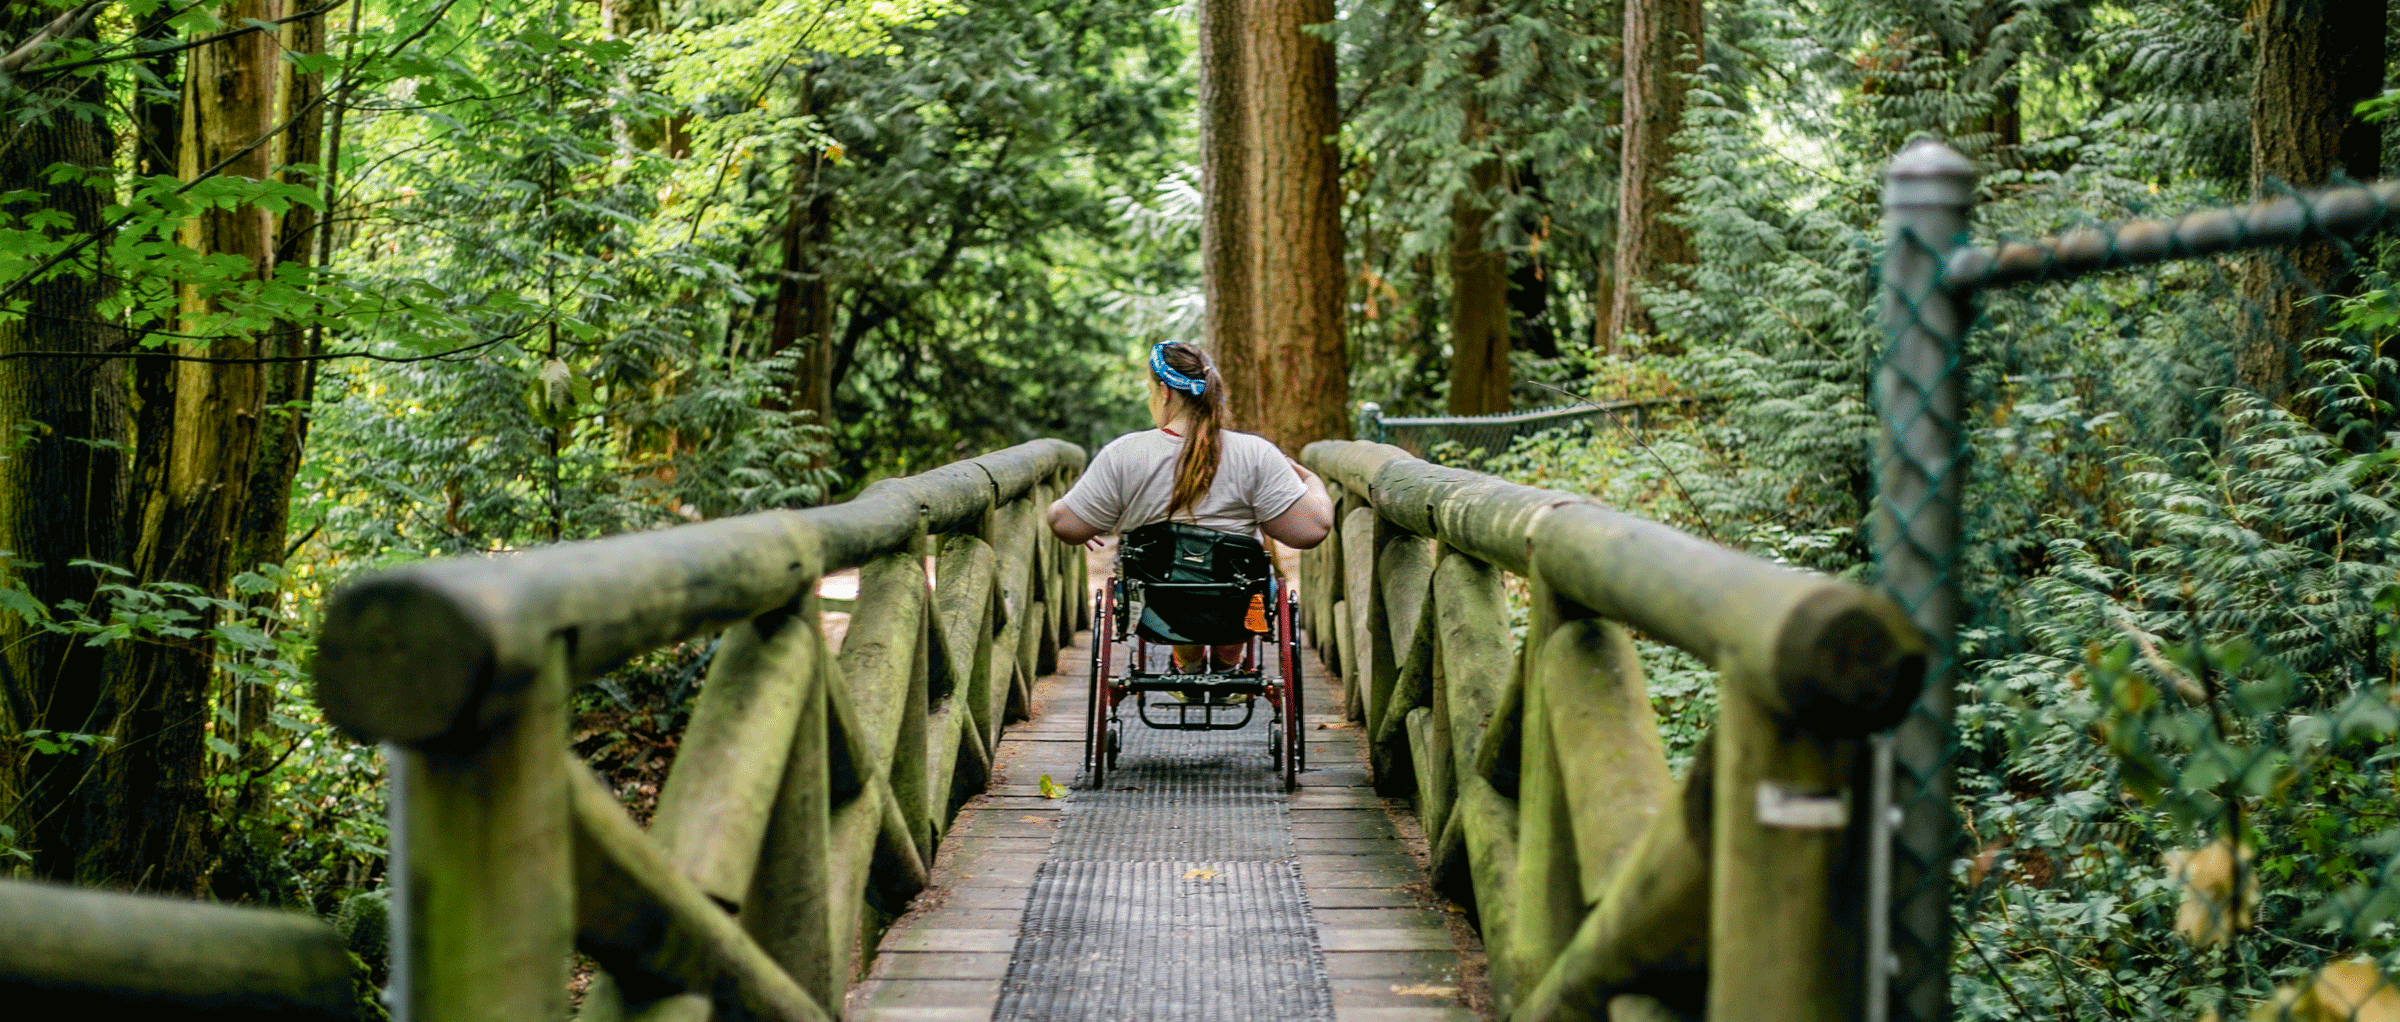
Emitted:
<point x="1478" y="271"/>
<point x="1299" y="215"/>
<point x="264" y="528"/>
<point x="804" y="287"/>
<point x="2317" y="59"/>
<point x="1662" y="43"/>
<point x="1228" y="241"/>
<point x="198" y="430"/>
<point x="62" y="482"/>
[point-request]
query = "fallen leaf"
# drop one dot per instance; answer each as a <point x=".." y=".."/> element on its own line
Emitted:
<point x="1335" y="726"/>
<point x="1050" y="788"/>
<point x="1424" y="990"/>
<point x="1031" y="819"/>
<point x="1200" y="874"/>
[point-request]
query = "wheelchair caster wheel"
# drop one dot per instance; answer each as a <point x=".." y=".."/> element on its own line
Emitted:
<point x="1116" y="744"/>
<point x="1275" y="746"/>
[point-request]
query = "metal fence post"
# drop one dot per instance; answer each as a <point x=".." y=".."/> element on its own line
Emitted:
<point x="1370" y="422"/>
<point x="1929" y="190"/>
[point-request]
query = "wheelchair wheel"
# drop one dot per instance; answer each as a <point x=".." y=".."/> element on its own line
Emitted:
<point x="1097" y="735"/>
<point x="1294" y="734"/>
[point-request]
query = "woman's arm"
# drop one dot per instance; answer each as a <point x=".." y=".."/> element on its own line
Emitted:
<point x="1065" y="525"/>
<point x="1307" y="522"/>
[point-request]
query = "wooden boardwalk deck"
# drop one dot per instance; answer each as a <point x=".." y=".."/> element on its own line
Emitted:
<point x="1390" y="957"/>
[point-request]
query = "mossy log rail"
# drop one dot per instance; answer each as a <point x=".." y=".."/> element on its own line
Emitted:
<point x="807" y="794"/>
<point x="68" y="951"/>
<point x="1537" y="766"/>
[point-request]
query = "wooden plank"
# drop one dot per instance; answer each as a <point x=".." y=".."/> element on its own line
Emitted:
<point x="1599" y="704"/>
<point x="962" y="601"/>
<point x="882" y="656"/>
<point x="655" y="930"/>
<point x="1476" y="651"/>
<point x="1652" y="922"/>
<point x="1405" y="571"/>
<point x="1549" y="899"/>
<point x="1011" y="528"/>
<point x="1487" y="822"/>
<point x="1368" y="643"/>
<point x="713" y="811"/>
<point x="790" y="907"/>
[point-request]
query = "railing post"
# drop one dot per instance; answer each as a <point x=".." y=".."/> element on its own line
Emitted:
<point x="482" y="864"/>
<point x="1370" y="422"/>
<point x="1784" y="901"/>
<point x="1928" y="193"/>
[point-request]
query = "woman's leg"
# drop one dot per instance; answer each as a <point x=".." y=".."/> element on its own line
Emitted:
<point x="1221" y="658"/>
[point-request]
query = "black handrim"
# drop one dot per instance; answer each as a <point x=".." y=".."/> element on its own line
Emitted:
<point x="1294" y="756"/>
<point x="1095" y="753"/>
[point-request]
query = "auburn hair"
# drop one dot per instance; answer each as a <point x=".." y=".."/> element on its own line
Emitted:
<point x="1207" y="416"/>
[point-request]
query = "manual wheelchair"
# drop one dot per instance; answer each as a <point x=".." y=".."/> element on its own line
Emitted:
<point x="1178" y="584"/>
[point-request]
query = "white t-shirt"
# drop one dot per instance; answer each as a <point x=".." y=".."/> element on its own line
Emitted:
<point x="1129" y="482"/>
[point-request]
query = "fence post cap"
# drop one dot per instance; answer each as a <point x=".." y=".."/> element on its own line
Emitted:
<point x="1928" y="157"/>
<point x="1928" y="173"/>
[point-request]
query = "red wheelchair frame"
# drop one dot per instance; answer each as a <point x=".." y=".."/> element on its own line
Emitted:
<point x="1116" y="609"/>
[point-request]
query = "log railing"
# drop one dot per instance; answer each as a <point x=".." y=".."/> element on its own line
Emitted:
<point x="1537" y="767"/>
<point x="807" y="793"/>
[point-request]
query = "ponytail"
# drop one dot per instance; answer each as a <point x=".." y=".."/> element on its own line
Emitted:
<point x="1208" y="418"/>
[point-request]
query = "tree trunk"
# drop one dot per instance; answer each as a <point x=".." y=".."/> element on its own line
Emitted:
<point x="1478" y="304"/>
<point x="803" y="293"/>
<point x="1227" y="232"/>
<point x="197" y="446"/>
<point x="2316" y="60"/>
<point x="1657" y="35"/>
<point x="62" y="484"/>
<point x="1478" y="274"/>
<point x="1301" y="353"/>
<point x="264" y="530"/>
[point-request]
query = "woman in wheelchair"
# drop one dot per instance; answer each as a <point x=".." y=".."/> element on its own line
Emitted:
<point x="1190" y="498"/>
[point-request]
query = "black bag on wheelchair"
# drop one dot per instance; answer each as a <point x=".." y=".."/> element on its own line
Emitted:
<point x="1196" y="583"/>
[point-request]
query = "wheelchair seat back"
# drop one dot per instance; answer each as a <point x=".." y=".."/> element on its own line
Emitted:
<point x="1196" y="584"/>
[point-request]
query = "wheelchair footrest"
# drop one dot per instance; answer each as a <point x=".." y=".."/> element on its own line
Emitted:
<point x="1202" y="712"/>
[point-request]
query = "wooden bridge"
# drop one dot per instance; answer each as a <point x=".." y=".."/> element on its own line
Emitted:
<point x="817" y="791"/>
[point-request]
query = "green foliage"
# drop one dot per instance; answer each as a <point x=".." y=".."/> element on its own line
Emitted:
<point x="2186" y="618"/>
<point x="1409" y="72"/>
<point x="978" y="229"/>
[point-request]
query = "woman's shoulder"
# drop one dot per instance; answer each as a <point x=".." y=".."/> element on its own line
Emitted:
<point x="1137" y="438"/>
<point x="1251" y="445"/>
<point x="1138" y="444"/>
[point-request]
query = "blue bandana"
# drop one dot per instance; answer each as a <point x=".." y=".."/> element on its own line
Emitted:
<point x="1168" y="375"/>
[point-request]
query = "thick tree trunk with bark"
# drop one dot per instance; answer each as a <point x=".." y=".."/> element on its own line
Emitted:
<point x="2316" y="60"/>
<point x="1478" y="273"/>
<point x="198" y="441"/>
<point x="1302" y="362"/>
<point x="62" y="484"/>
<point x="1662" y="40"/>
<point x="1478" y="283"/>
<point x="1228" y="237"/>
<point x="264" y="529"/>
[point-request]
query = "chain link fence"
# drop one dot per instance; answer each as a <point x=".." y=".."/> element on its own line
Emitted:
<point x="2138" y="480"/>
